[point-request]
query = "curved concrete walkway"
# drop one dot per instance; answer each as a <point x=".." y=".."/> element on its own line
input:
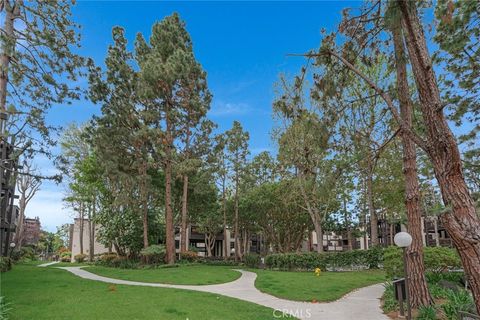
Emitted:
<point x="362" y="304"/>
<point x="48" y="264"/>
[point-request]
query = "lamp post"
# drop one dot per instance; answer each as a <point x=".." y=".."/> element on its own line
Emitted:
<point x="404" y="240"/>
<point x="12" y="246"/>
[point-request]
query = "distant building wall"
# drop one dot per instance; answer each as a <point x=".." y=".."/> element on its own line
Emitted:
<point x="75" y="239"/>
<point x="31" y="231"/>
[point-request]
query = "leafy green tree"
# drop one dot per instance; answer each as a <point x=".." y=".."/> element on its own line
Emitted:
<point x="173" y="85"/>
<point x="121" y="135"/>
<point x="38" y="69"/>
<point x="237" y="147"/>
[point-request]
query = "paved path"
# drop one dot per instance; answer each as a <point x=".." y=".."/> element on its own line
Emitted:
<point x="362" y="304"/>
<point x="48" y="264"/>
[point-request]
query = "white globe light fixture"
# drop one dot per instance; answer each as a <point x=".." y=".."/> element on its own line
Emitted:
<point x="12" y="245"/>
<point x="403" y="239"/>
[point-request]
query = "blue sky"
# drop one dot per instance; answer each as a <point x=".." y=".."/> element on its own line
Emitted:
<point x="241" y="45"/>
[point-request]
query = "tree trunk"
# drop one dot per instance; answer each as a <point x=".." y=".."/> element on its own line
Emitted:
<point x="391" y="234"/>
<point x="435" y="228"/>
<point x="81" y="228"/>
<point x="11" y="13"/>
<point x="226" y="242"/>
<point x="92" y="221"/>
<point x="417" y="287"/>
<point x="237" y="239"/>
<point x="183" y="234"/>
<point x="21" y="220"/>
<point x="90" y="237"/>
<point x="371" y="208"/>
<point x="207" y="245"/>
<point x="319" y="234"/>
<point x="183" y="231"/>
<point x="348" y="227"/>
<point x="170" y="230"/>
<point x="144" y="204"/>
<point x="460" y="219"/>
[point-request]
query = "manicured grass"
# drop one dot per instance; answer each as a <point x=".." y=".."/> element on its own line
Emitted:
<point x="50" y="293"/>
<point x="67" y="264"/>
<point x="189" y="274"/>
<point x="305" y="286"/>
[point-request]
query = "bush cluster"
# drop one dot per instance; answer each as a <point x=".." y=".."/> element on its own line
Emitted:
<point x="80" y="257"/>
<point x="188" y="256"/>
<point x="218" y="261"/>
<point x="5" y="264"/>
<point x="437" y="260"/>
<point x="371" y="258"/>
<point x="252" y="260"/>
<point x="115" y="261"/>
<point x="66" y="256"/>
<point x="24" y="254"/>
<point x="154" y="254"/>
<point x="457" y="301"/>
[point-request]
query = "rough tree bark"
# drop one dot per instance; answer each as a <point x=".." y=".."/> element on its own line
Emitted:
<point x="226" y="243"/>
<point x="11" y="13"/>
<point x="435" y="228"/>
<point x="81" y="212"/>
<point x="418" y="289"/>
<point x="236" y="236"/>
<point x="348" y="227"/>
<point x="144" y="197"/>
<point x="460" y="219"/>
<point x="90" y="236"/>
<point x="170" y="230"/>
<point x="21" y="221"/>
<point x="183" y="231"/>
<point x="371" y="206"/>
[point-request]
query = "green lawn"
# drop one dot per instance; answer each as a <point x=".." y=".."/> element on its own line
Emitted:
<point x="189" y="274"/>
<point x="305" y="286"/>
<point x="50" y="293"/>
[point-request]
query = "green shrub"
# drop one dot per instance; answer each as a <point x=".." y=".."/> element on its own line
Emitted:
<point x="456" y="302"/>
<point x="106" y="258"/>
<point x="23" y="254"/>
<point x="193" y="248"/>
<point x="373" y="256"/>
<point x="436" y="291"/>
<point x="4" y="308"/>
<point x="253" y="260"/>
<point x="389" y="302"/>
<point x="123" y="263"/>
<point x="427" y="313"/>
<point x="66" y="256"/>
<point x="188" y="256"/>
<point x="296" y="261"/>
<point x="154" y="254"/>
<point x="80" y="257"/>
<point x="218" y="261"/>
<point x="393" y="262"/>
<point x="5" y="264"/>
<point x="438" y="259"/>
<point x="308" y="261"/>
<point x="455" y="277"/>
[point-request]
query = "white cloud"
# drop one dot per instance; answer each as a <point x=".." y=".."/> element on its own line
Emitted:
<point x="48" y="206"/>
<point x="221" y="108"/>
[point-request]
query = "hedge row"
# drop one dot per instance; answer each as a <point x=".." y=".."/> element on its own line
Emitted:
<point x="436" y="259"/>
<point x="308" y="261"/>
